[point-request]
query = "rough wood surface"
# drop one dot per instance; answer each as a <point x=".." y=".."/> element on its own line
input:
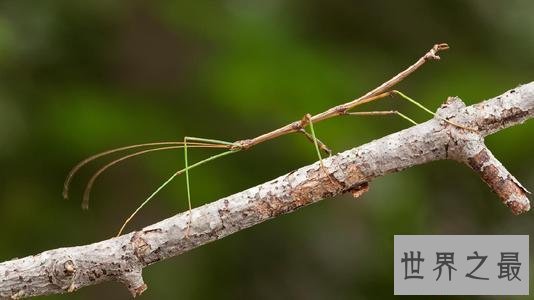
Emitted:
<point x="123" y="258"/>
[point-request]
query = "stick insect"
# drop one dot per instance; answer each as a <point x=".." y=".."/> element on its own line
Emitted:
<point x="380" y="92"/>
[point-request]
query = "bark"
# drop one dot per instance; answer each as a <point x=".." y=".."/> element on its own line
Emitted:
<point x="123" y="258"/>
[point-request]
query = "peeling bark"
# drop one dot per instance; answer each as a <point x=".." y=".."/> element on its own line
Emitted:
<point x="123" y="258"/>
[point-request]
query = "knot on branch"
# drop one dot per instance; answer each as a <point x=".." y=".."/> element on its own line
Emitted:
<point x="63" y="273"/>
<point x="140" y="247"/>
<point x="468" y="147"/>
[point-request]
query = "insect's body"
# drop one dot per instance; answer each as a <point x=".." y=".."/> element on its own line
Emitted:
<point x="299" y="126"/>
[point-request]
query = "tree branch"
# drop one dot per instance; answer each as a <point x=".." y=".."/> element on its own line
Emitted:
<point x="123" y="258"/>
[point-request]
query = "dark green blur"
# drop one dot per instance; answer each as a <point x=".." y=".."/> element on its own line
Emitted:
<point x="78" y="77"/>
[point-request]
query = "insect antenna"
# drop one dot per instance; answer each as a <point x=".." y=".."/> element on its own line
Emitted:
<point x="78" y="166"/>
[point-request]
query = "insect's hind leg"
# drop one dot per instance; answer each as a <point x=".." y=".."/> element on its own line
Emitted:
<point x="188" y="188"/>
<point x="207" y="144"/>
<point x="186" y="162"/>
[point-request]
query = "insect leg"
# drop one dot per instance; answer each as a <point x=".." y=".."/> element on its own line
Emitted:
<point x="166" y="182"/>
<point x="188" y="139"/>
<point x="431" y="112"/>
<point x="381" y="113"/>
<point x="318" y="145"/>
<point x="187" y="186"/>
<point x="321" y="145"/>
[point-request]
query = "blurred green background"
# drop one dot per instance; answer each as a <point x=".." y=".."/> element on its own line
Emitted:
<point x="78" y="77"/>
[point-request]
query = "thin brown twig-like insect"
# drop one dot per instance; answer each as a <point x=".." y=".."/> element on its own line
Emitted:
<point x="379" y="92"/>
